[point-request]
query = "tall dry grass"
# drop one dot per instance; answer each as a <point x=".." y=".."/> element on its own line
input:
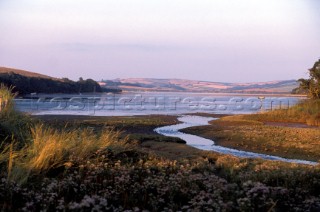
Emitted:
<point x="307" y="111"/>
<point x="52" y="148"/>
<point x="30" y="149"/>
<point x="6" y="99"/>
<point x="13" y="124"/>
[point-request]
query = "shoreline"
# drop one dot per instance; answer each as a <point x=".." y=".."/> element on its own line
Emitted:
<point x="210" y="145"/>
<point x="283" y="140"/>
<point x="141" y="128"/>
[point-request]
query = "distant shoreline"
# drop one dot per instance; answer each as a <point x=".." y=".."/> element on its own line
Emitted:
<point x="221" y="94"/>
<point x="90" y="94"/>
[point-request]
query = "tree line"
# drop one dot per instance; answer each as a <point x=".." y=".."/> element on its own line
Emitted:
<point x="311" y="86"/>
<point x="26" y="85"/>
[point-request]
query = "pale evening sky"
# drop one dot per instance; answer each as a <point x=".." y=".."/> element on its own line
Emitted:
<point x="213" y="40"/>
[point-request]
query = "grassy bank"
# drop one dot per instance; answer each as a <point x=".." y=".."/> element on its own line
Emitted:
<point x="307" y="111"/>
<point x="283" y="133"/>
<point x="138" y="128"/>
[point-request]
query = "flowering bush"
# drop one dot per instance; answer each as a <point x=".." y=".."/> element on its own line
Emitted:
<point x="110" y="182"/>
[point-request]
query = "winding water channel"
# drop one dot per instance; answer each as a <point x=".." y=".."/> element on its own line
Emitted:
<point x="207" y="144"/>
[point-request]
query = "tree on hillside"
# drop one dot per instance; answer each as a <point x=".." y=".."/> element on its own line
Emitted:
<point x="312" y="85"/>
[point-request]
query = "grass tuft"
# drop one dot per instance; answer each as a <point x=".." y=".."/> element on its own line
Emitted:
<point x="13" y="124"/>
<point x="6" y="99"/>
<point x="51" y="148"/>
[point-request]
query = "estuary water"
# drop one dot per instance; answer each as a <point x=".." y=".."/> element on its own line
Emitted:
<point x="207" y="144"/>
<point x="145" y="103"/>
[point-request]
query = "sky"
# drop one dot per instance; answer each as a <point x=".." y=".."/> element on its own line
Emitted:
<point x="211" y="40"/>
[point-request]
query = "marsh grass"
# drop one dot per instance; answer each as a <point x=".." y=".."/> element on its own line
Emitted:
<point x="307" y="111"/>
<point x="6" y="99"/>
<point x="13" y="124"/>
<point x="261" y="133"/>
<point x="29" y="148"/>
<point x="52" y="148"/>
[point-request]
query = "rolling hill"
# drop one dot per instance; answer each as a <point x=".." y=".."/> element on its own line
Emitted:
<point x="25" y="82"/>
<point x="28" y="82"/>
<point x="180" y="85"/>
<point x="5" y="70"/>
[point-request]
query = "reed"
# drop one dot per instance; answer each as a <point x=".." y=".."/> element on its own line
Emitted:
<point x="13" y="124"/>
<point x="6" y="98"/>
<point x="51" y="148"/>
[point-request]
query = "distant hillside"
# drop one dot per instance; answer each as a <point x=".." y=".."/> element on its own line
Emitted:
<point x="176" y="85"/>
<point x="4" y="70"/>
<point x="26" y="82"/>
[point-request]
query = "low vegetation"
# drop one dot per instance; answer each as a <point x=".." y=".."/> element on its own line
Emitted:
<point x="136" y="181"/>
<point x="136" y="128"/>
